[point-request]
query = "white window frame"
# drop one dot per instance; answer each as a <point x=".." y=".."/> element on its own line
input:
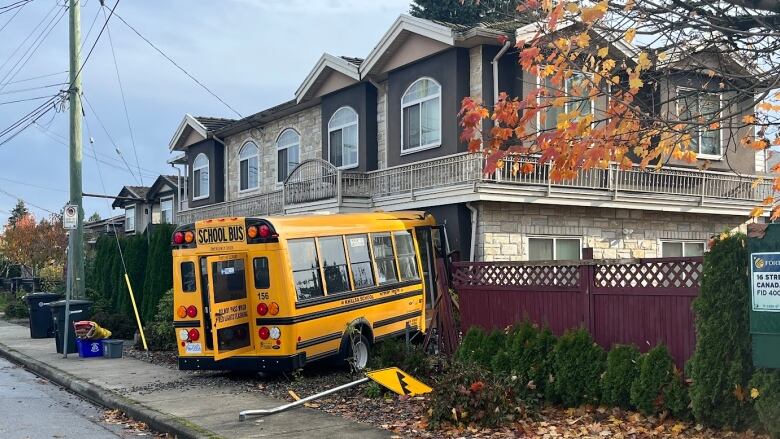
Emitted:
<point x="431" y="145"/>
<point x="682" y="242"/>
<point x="540" y="84"/>
<point x="162" y="199"/>
<point x="196" y="181"/>
<point x="699" y="155"/>
<point x="128" y="217"/>
<point x="279" y="183"/>
<point x="554" y="238"/>
<point x="356" y="123"/>
<point x="256" y="155"/>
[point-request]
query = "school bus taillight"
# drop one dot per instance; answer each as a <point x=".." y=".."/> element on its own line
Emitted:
<point x="264" y="333"/>
<point x="181" y="312"/>
<point x="194" y="334"/>
<point x="262" y="308"/>
<point x="192" y="311"/>
<point x="273" y="308"/>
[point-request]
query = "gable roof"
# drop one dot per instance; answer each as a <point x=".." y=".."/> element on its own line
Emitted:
<point x="160" y="183"/>
<point x="203" y="126"/>
<point x="213" y="123"/>
<point x="137" y="192"/>
<point x="326" y="65"/>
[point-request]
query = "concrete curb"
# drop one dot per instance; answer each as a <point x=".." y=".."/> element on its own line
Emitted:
<point x="161" y="422"/>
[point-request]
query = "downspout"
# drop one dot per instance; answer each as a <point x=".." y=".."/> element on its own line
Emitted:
<point x="474" y="217"/>
<point x="500" y="53"/>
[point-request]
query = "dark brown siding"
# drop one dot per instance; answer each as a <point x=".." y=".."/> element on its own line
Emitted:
<point x="215" y="151"/>
<point x="362" y="98"/>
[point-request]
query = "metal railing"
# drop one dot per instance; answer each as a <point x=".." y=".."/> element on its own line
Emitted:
<point x="316" y="180"/>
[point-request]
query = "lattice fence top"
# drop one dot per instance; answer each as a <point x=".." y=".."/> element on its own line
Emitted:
<point x="487" y="274"/>
<point x="677" y="273"/>
<point x="311" y="170"/>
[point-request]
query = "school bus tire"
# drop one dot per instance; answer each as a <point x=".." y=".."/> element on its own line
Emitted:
<point x="364" y="350"/>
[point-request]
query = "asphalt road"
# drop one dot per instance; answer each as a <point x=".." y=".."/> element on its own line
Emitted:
<point x="31" y="407"/>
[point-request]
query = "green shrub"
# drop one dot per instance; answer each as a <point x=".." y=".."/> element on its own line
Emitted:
<point x="121" y="326"/>
<point x="722" y="359"/>
<point x="52" y="278"/>
<point x="373" y="390"/>
<point x="659" y="386"/>
<point x="394" y="353"/>
<point x="577" y="365"/>
<point x="472" y="395"/>
<point x="622" y="370"/>
<point x="766" y="400"/>
<point x="526" y="356"/>
<point x="16" y="309"/>
<point x="160" y="334"/>
<point x="158" y="277"/>
<point x="135" y="253"/>
<point x="471" y="345"/>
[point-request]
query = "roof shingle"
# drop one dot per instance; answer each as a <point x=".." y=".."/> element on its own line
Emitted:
<point x="213" y="123"/>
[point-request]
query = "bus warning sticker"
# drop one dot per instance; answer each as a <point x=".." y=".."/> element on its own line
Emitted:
<point x="230" y="313"/>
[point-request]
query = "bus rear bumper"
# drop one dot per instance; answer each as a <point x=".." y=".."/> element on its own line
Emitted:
<point x="259" y="364"/>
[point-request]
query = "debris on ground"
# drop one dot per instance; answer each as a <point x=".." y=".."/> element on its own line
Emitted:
<point x="131" y="427"/>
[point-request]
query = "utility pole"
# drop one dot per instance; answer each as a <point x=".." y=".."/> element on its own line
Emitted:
<point x="76" y="271"/>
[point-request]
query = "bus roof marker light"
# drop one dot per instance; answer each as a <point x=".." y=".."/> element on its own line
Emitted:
<point x="265" y="231"/>
<point x="189" y="236"/>
<point x="178" y="238"/>
<point x="251" y="231"/>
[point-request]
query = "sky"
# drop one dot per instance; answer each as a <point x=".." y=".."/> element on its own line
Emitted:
<point x="252" y="53"/>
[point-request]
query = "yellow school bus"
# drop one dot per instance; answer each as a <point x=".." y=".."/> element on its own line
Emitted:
<point x="275" y="293"/>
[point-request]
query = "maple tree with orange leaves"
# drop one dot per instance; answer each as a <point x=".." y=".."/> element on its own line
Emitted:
<point x="621" y="53"/>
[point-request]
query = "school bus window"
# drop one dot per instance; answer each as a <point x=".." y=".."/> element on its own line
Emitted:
<point x="305" y="268"/>
<point x="383" y="255"/>
<point x="229" y="280"/>
<point x="360" y="261"/>
<point x="407" y="259"/>
<point x="262" y="277"/>
<point x="188" y="277"/>
<point x="334" y="264"/>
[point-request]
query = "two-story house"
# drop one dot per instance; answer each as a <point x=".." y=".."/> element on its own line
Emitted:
<point x="382" y="132"/>
<point x="148" y="205"/>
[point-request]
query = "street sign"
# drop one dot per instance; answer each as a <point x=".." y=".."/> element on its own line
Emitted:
<point x="70" y="217"/>
<point x="399" y="381"/>
<point x="765" y="279"/>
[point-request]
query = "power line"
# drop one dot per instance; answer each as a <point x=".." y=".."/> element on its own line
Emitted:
<point x="38" y="77"/>
<point x="177" y="65"/>
<point x="124" y="102"/>
<point x="94" y="43"/>
<point x="32" y="185"/>
<point x="27" y="202"/>
<point x="18" y="10"/>
<point x="21" y="90"/>
<point x="24" y="100"/>
<point x="24" y="42"/>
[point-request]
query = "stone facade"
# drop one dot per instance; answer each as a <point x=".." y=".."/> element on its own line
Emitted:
<point x="475" y="73"/>
<point x="503" y="229"/>
<point x="381" y="128"/>
<point x="306" y="122"/>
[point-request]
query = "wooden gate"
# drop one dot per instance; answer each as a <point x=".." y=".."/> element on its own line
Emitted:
<point x="639" y="301"/>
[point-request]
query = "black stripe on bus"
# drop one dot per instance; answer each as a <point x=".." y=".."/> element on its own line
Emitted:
<point x="318" y="340"/>
<point x="322" y="355"/>
<point x="395" y="333"/>
<point x="361" y="292"/>
<point x="396" y="319"/>
<point x="186" y="323"/>
<point x="334" y="311"/>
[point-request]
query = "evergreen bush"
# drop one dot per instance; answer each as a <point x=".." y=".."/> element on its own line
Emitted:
<point x="622" y="370"/>
<point x="471" y="344"/>
<point x="158" y="277"/>
<point x="120" y="325"/>
<point x="526" y="356"/>
<point x="135" y="262"/>
<point x="765" y="393"/>
<point x="394" y="353"/>
<point x="659" y="386"/>
<point x="722" y="359"/>
<point x="16" y="309"/>
<point x="577" y="365"/>
<point x="160" y="334"/>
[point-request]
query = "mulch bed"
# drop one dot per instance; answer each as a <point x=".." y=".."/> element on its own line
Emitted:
<point x="406" y="417"/>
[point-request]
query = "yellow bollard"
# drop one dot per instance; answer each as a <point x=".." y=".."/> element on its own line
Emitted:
<point x="135" y="310"/>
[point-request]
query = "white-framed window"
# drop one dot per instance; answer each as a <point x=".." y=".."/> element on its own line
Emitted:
<point x="677" y="249"/>
<point x="166" y="210"/>
<point x="421" y="116"/>
<point x="701" y="108"/>
<point x="249" y="167"/>
<point x="130" y="219"/>
<point x="288" y="153"/>
<point x="574" y="90"/>
<point x="554" y="248"/>
<point x="200" y="177"/>
<point x="343" y="138"/>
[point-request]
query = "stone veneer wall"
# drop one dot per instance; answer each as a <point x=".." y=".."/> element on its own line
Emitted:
<point x="503" y="229"/>
<point x="475" y="76"/>
<point x="308" y="125"/>
<point x="381" y="128"/>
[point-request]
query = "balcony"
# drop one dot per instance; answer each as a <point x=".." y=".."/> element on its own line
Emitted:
<point x="316" y="185"/>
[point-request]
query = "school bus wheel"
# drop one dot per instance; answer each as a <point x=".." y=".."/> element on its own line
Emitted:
<point x="356" y="350"/>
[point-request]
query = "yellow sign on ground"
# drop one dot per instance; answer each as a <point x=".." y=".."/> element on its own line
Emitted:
<point x="399" y="381"/>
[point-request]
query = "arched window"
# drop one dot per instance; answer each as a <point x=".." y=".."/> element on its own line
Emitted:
<point x="288" y="152"/>
<point x="248" y="162"/>
<point x="421" y="116"/>
<point x="343" y="138"/>
<point x="200" y="177"/>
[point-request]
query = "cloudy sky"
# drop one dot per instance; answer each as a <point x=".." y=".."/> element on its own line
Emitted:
<point x="251" y="53"/>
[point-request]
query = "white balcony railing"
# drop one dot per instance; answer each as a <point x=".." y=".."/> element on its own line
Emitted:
<point x="317" y="181"/>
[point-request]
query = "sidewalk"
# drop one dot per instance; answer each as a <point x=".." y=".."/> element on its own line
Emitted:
<point x="162" y="398"/>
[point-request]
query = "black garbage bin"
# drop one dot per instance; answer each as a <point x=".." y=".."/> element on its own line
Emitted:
<point x="41" y="321"/>
<point x="79" y="310"/>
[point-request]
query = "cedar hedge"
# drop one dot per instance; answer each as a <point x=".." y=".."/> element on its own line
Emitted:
<point x="577" y="365"/>
<point x="622" y="369"/>
<point x="659" y="386"/>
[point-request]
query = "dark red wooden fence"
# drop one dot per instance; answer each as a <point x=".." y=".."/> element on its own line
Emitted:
<point x="639" y="301"/>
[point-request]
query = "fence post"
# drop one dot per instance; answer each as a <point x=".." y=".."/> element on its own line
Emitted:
<point x="586" y="284"/>
<point x="338" y="188"/>
<point x="703" y="185"/>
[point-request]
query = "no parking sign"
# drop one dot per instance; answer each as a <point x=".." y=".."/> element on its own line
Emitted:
<point x="70" y="217"/>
